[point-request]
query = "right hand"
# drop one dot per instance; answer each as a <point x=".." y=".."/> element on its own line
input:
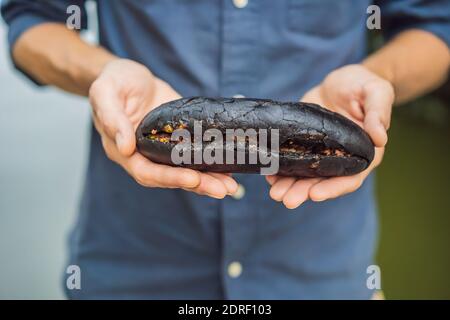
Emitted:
<point x="120" y="97"/>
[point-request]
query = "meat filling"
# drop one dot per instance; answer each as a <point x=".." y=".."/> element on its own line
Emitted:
<point x="292" y="147"/>
<point x="288" y="147"/>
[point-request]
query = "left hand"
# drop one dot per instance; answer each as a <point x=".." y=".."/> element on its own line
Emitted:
<point x="364" y="97"/>
<point x="121" y="96"/>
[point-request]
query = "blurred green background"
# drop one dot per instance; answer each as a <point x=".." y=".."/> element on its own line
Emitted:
<point x="413" y="190"/>
<point x="413" y="186"/>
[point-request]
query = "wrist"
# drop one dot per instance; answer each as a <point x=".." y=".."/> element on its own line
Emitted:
<point x="85" y="71"/>
<point x="383" y="71"/>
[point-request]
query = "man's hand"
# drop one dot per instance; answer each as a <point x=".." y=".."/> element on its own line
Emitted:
<point x="121" y="96"/>
<point x="365" y="98"/>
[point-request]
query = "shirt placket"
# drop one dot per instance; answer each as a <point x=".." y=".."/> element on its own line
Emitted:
<point x="239" y="226"/>
<point x="240" y="48"/>
<point x="238" y="78"/>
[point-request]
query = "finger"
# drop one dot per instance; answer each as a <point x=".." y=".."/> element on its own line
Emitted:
<point x="157" y="175"/>
<point x="335" y="187"/>
<point x="356" y="110"/>
<point x="313" y="95"/>
<point x="110" y="116"/>
<point x="280" y="188"/>
<point x="378" y="100"/>
<point x="298" y="193"/>
<point x="211" y="187"/>
<point x="309" y="96"/>
<point x="230" y="184"/>
<point x="110" y="148"/>
<point x="119" y="128"/>
<point x="165" y="92"/>
<point x="375" y="128"/>
<point x="272" y="179"/>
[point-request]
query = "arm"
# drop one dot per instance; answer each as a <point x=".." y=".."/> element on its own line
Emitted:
<point x="414" y="62"/>
<point x="121" y="93"/>
<point x="409" y="65"/>
<point x="60" y="58"/>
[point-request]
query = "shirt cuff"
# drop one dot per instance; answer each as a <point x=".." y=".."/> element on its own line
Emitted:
<point x="17" y="27"/>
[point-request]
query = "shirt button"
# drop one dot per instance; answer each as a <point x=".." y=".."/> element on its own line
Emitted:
<point x="240" y="3"/>
<point x="237" y="96"/>
<point x="240" y="192"/>
<point x="234" y="269"/>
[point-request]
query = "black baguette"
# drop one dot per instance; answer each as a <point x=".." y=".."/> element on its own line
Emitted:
<point x="314" y="142"/>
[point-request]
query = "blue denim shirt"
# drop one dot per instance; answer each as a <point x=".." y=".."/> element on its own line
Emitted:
<point x="133" y="242"/>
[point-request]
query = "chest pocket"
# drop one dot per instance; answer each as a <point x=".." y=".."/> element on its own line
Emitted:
<point x="325" y="18"/>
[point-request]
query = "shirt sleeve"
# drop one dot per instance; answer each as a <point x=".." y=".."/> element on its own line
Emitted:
<point x="429" y="15"/>
<point x="21" y="15"/>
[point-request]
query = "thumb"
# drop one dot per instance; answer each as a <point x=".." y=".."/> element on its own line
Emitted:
<point x="378" y="101"/>
<point x="124" y="135"/>
<point x="111" y="120"/>
<point x="312" y="96"/>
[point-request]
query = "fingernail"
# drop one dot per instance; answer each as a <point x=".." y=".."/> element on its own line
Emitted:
<point x="383" y="131"/>
<point x="381" y="124"/>
<point x="215" y="197"/>
<point x="316" y="198"/>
